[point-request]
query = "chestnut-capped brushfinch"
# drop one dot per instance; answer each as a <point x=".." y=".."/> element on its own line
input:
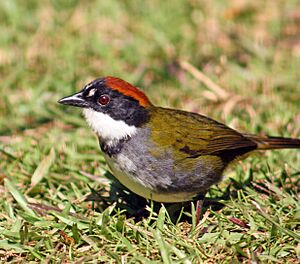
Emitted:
<point x="167" y="155"/>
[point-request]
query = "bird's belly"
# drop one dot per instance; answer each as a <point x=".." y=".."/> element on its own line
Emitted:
<point x="125" y="171"/>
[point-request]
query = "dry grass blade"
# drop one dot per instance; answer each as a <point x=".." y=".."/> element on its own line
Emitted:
<point x="219" y="91"/>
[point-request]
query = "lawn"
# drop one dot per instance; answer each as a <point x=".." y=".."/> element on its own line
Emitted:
<point x="236" y="61"/>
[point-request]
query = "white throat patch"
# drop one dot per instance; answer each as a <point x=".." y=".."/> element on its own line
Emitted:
<point x="106" y="127"/>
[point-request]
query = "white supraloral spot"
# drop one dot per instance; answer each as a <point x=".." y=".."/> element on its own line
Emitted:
<point x="106" y="127"/>
<point x="92" y="92"/>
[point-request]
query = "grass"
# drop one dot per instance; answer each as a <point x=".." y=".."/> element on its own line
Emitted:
<point x="52" y="174"/>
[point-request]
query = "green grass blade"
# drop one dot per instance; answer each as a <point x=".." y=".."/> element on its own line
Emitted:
<point x="43" y="168"/>
<point x="18" y="196"/>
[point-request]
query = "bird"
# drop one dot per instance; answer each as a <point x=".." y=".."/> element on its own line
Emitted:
<point x="162" y="154"/>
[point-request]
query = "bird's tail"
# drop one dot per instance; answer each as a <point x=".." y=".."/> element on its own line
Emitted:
<point x="264" y="143"/>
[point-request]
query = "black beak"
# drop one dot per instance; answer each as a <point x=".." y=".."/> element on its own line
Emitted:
<point x="74" y="100"/>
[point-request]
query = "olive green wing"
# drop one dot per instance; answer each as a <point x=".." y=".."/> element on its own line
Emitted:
<point x="192" y="135"/>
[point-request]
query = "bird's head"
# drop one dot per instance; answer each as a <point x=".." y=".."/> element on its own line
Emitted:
<point x="113" y="108"/>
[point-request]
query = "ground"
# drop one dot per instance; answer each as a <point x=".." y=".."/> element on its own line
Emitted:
<point x="236" y="61"/>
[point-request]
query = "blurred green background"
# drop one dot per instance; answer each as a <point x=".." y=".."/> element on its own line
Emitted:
<point x="236" y="61"/>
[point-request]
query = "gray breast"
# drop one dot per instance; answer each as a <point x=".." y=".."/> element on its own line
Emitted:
<point x="161" y="173"/>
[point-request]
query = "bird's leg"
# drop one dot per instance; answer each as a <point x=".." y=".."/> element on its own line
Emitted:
<point x="199" y="208"/>
<point x="199" y="205"/>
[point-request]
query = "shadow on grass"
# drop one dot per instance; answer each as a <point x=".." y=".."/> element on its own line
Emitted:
<point x="135" y="206"/>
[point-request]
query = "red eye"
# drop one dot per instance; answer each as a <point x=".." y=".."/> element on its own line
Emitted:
<point x="104" y="99"/>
